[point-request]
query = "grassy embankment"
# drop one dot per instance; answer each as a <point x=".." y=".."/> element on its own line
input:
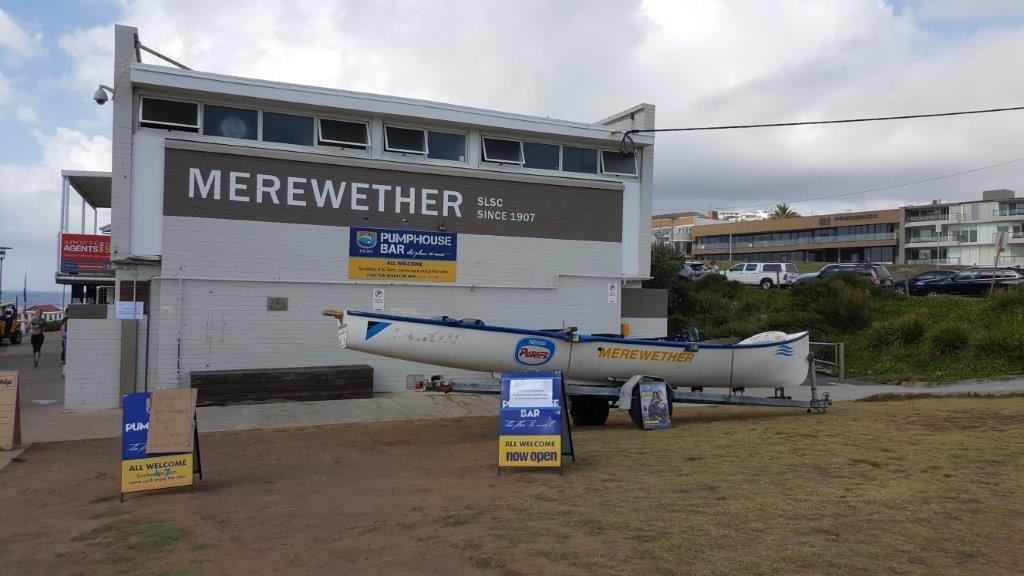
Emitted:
<point x="889" y="336"/>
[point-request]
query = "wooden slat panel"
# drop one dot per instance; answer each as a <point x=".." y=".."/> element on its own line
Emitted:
<point x="303" y="384"/>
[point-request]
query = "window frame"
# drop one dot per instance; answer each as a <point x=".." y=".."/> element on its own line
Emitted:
<point x="464" y="133"/>
<point x="522" y="156"/>
<point x="636" y="169"/>
<point x="288" y="113"/>
<point x="423" y="131"/>
<point x="259" y="123"/>
<point x="523" y="144"/>
<point x="561" y="159"/>
<point x="199" y="113"/>
<point x="319" y="140"/>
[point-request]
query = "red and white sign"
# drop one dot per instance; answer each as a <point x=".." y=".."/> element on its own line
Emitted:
<point x="85" y="255"/>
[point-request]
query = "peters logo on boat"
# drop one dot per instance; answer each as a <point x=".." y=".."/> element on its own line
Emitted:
<point x="534" y="351"/>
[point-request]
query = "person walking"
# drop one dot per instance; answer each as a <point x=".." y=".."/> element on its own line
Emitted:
<point x="64" y="338"/>
<point x="36" y="327"/>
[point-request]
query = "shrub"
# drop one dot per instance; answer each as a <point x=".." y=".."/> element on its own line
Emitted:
<point x="946" y="338"/>
<point x="846" y="305"/>
<point x="1009" y="301"/>
<point x="905" y="331"/>
<point x="797" y="321"/>
<point x="998" y="342"/>
<point x="719" y="284"/>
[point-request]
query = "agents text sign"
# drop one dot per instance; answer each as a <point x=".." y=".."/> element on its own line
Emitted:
<point x="86" y="255"/>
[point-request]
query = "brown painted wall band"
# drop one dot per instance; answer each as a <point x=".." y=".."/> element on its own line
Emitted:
<point x="532" y="210"/>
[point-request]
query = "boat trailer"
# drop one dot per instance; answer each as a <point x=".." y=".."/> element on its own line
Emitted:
<point x="589" y="405"/>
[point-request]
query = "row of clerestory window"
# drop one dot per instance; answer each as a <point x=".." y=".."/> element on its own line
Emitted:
<point x="278" y="127"/>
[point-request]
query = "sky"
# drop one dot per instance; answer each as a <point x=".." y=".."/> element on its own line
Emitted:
<point x="700" y="62"/>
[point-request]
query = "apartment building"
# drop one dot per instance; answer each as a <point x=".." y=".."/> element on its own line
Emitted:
<point x="964" y="233"/>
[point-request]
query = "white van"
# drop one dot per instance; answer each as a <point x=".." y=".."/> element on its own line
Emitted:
<point x="767" y="275"/>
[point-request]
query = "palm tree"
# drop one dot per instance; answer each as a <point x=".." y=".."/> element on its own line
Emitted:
<point x="783" y="211"/>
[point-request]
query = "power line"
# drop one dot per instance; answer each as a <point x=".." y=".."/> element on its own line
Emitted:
<point x="890" y="187"/>
<point x="844" y="121"/>
<point x="628" y="147"/>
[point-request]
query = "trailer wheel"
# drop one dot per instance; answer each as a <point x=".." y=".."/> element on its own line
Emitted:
<point x="589" y="410"/>
<point x="636" y="413"/>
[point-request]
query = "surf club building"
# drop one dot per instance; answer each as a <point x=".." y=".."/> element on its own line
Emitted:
<point x="242" y="208"/>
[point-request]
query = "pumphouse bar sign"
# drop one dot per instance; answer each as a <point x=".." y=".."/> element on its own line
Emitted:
<point x="241" y="187"/>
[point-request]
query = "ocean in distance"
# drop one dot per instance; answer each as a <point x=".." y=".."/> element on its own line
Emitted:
<point x="38" y="297"/>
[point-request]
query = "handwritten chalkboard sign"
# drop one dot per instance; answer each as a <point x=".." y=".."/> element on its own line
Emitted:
<point x="10" y="412"/>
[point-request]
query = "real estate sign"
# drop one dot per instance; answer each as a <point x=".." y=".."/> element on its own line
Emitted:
<point x="85" y="255"/>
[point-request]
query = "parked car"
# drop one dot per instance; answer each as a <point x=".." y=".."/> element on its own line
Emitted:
<point x="693" y="271"/>
<point x="913" y="285"/>
<point x="869" y="271"/>
<point x="974" y="282"/>
<point x="767" y="275"/>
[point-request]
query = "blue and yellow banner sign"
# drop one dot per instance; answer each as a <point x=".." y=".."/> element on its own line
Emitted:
<point x="530" y="427"/>
<point x="157" y="472"/>
<point x="402" y="255"/>
<point x="142" y="471"/>
<point x="134" y="425"/>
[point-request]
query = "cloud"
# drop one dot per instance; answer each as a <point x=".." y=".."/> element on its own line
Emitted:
<point x="26" y="114"/>
<point x="16" y="43"/>
<point x="30" y="201"/>
<point x="92" y="54"/>
<point x="701" y="62"/>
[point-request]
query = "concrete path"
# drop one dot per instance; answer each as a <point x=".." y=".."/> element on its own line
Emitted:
<point x="44" y="418"/>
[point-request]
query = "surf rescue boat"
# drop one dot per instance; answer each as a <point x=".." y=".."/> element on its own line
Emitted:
<point x="766" y="360"/>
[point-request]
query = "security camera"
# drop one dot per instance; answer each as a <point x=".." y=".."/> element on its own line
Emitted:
<point x="100" y="95"/>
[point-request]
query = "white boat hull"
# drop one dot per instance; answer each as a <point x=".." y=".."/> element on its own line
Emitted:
<point x="772" y="360"/>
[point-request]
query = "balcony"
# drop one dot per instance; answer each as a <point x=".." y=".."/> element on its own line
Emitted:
<point x="1008" y="212"/>
<point x="930" y="217"/>
<point x="801" y="241"/>
<point x="932" y="261"/>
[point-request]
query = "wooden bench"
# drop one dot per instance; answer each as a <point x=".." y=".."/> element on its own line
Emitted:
<point x="266" y="384"/>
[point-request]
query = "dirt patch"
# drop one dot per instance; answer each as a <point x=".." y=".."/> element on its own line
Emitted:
<point x="870" y="488"/>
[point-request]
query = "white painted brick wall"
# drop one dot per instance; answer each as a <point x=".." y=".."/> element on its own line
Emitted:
<point x="205" y="247"/>
<point x="93" y="363"/>
<point x="121" y="152"/>
<point x="647" y="327"/>
<point x="526" y="282"/>
<point x="225" y="325"/>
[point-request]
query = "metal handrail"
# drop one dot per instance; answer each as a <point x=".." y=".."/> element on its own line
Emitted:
<point x="836" y="366"/>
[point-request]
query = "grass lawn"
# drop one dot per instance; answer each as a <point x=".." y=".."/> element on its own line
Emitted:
<point x="914" y="487"/>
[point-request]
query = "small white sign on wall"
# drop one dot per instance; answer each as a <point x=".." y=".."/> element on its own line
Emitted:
<point x="378" y="300"/>
<point x="129" y="310"/>
<point x="613" y="292"/>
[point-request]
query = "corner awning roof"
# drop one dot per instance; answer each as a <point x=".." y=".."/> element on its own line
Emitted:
<point x="94" y="187"/>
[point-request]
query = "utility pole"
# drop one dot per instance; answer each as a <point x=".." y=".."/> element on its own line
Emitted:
<point x="3" y="254"/>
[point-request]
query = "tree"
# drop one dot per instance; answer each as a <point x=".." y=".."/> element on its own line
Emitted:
<point x="783" y="211"/>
